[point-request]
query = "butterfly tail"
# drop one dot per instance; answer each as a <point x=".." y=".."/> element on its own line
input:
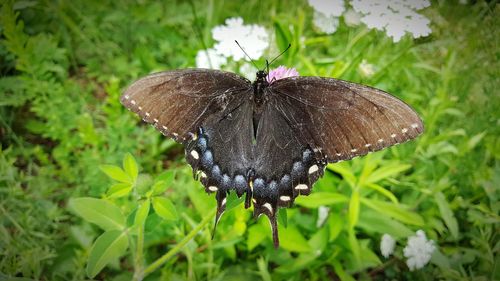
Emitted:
<point x="221" y="207"/>
<point x="269" y="211"/>
<point x="274" y="227"/>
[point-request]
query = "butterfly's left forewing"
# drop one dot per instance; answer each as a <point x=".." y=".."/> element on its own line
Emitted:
<point x="342" y="120"/>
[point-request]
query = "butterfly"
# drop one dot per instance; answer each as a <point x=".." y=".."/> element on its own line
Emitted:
<point x="270" y="139"/>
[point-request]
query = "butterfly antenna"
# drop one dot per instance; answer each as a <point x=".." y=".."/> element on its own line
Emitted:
<point x="246" y="54"/>
<point x="289" y="45"/>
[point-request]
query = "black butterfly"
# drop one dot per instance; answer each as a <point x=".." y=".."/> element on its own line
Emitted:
<point x="270" y="141"/>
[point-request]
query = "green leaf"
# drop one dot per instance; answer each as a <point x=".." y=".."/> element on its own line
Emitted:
<point x="354" y="208"/>
<point x="142" y="213"/>
<point x="110" y="245"/>
<point x="321" y="199"/>
<point x="317" y="243"/>
<point x="98" y="211"/>
<point x="158" y="188"/>
<point x="396" y="211"/>
<point x="87" y="130"/>
<point x="256" y="234"/>
<point x="441" y="260"/>
<point x="292" y="240"/>
<point x="354" y="246"/>
<point x="168" y="177"/>
<point x="369" y="165"/>
<point x="13" y="91"/>
<point x="383" y="191"/>
<point x="199" y="199"/>
<point x="447" y="214"/>
<point x="130" y="166"/>
<point x="335" y="225"/>
<point x="162" y="182"/>
<point x="475" y="140"/>
<point x="385" y="172"/>
<point x="283" y="35"/>
<point x="233" y="201"/>
<point x="119" y="190"/>
<point x="283" y="217"/>
<point x="368" y="257"/>
<point x="339" y="270"/>
<point x="319" y="240"/>
<point x="372" y="221"/>
<point x="116" y="173"/>
<point x="143" y="184"/>
<point x="345" y="171"/>
<point x="164" y="208"/>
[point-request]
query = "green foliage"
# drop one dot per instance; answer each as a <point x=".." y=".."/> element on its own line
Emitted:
<point x="100" y="212"/>
<point x="67" y="212"/>
<point x="110" y="245"/>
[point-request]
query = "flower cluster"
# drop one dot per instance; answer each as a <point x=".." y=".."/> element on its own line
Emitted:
<point x="387" y="245"/>
<point x="395" y="17"/>
<point x="209" y="59"/>
<point x="326" y="14"/>
<point x="281" y="72"/>
<point x="366" y="69"/>
<point x="418" y="251"/>
<point x="253" y="37"/>
<point x="322" y="215"/>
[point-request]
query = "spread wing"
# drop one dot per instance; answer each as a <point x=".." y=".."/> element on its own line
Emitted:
<point x="341" y="120"/>
<point x="177" y="102"/>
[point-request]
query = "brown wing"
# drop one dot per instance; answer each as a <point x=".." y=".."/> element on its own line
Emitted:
<point x="341" y="120"/>
<point x="177" y="102"/>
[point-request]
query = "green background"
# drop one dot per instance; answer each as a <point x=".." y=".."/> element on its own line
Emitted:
<point x="64" y="65"/>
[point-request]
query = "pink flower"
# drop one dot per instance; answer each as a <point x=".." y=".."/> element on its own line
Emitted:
<point x="280" y="73"/>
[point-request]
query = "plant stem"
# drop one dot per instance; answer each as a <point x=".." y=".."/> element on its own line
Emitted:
<point x="139" y="258"/>
<point x="160" y="261"/>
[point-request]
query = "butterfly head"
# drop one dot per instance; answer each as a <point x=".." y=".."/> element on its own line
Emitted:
<point x="261" y="74"/>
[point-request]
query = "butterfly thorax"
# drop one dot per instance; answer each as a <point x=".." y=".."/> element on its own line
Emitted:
<point x="258" y="87"/>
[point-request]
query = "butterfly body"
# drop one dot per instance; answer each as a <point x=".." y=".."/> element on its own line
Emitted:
<point x="268" y="140"/>
<point x="259" y="87"/>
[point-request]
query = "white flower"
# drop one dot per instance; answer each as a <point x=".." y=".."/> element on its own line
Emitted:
<point x="327" y="24"/>
<point x="396" y="17"/>
<point x="387" y="245"/>
<point x="418" y="251"/>
<point x="326" y="14"/>
<point x="352" y="18"/>
<point x="253" y="38"/>
<point x="209" y="59"/>
<point x="322" y="215"/>
<point x="366" y="69"/>
<point x="248" y="71"/>
<point x="328" y="7"/>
